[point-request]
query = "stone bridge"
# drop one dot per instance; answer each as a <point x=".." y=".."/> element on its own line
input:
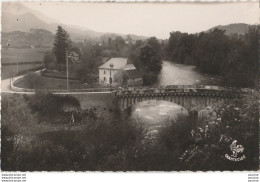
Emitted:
<point x="188" y="96"/>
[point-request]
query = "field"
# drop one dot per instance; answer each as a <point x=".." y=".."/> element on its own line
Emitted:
<point x="9" y="71"/>
<point x="50" y="84"/>
<point x="11" y="56"/>
<point x="14" y="55"/>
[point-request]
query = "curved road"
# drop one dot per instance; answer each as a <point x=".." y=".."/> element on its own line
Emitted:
<point x="6" y="88"/>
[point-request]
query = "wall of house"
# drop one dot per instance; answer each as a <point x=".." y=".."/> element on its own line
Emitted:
<point x="106" y="75"/>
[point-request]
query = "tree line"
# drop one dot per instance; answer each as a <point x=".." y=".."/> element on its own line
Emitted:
<point x="234" y="58"/>
<point x="145" y="55"/>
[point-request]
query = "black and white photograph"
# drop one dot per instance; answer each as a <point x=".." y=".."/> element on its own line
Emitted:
<point x="127" y="87"/>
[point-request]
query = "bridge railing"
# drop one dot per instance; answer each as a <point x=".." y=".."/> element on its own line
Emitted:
<point x="180" y="89"/>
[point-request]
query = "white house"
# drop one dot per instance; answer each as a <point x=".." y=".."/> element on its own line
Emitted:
<point x="110" y="71"/>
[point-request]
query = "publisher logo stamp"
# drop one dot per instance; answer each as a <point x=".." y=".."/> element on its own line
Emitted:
<point x="236" y="150"/>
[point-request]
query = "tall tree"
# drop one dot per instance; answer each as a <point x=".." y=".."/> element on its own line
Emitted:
<point x="155" y="44"/>
<point x="150" y="63"/>
<point x="62" y="43"/>
<point x="119" y="43"/>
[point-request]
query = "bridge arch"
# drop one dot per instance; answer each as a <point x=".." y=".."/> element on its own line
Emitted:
<point x="188" y="97"/>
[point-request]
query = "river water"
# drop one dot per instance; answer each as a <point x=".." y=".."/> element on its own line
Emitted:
<point x="154" y="113"/>
<point x="179" y="74"/>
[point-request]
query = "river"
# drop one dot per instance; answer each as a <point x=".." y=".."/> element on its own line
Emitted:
<point x="154" y="113"/>
<point x="179" y="74"/>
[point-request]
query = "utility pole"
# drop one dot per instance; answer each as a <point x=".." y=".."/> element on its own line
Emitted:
<point x="67" y="63"/>
<point x="17" y="68"/>
<point x="53" y="81"/>
<point x="110" y="78"/>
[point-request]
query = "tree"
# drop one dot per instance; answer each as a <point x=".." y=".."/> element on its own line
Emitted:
<point x="119" y="43"/>
<point x="212" y="138"/>
<point x="241" y="68"/>
<point x="147" y="58"/>
<point x="233" y="58"/>
<point x="129" y="38"/>
<point x="62" y="44"/>
<point x="150" y="64"/>
<point x="49" y="60"/>
<point x="18" y="124"/>
<point x="134" y="51"/>
<point x="154" y="43"/>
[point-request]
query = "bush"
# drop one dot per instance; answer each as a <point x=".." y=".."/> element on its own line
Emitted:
<point x="32" y="80"/>
<point x="123" y="144"/>
<point x="50" y="61"/>
<point x="51" y="108"/>
<point x="237" y="121"/>
<point x="149" y="78"/>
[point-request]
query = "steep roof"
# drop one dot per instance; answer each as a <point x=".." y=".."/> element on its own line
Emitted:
<point x="118" y="63"/>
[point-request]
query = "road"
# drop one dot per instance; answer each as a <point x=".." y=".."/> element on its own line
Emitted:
<point x="6" y="88"/>
<point x="171" y="74"/>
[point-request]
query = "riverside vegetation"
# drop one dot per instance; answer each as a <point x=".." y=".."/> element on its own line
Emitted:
<point x="37" y="135"/>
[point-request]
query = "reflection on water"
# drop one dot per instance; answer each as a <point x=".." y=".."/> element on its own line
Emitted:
<point x="178" y="74"/>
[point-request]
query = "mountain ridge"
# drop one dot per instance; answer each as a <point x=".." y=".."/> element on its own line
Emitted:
<point x="234" y="28"/>
<point x="15" y="17"/>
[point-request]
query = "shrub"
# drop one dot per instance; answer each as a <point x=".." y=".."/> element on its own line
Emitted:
<point x="49" y="60"/>
<point x="32" y="80"/>
<point x="50" y="107"/>
<point x="237" y="121"/>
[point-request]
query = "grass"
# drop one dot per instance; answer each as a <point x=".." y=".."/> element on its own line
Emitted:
<point x="17" y="106"/>
<point x="14" y="55"/>
<point x="38" y="127"/>
<point x="50" y="83"/>
<point x="9" y="71"/>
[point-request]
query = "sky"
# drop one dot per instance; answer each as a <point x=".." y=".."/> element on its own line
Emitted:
<point x="149" y="19"/>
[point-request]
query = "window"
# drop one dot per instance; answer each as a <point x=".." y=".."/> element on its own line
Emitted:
<point x="104" y="79"/>
<point x="104" y="71"/>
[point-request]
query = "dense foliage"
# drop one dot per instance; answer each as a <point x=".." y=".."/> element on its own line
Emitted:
<point x="230" y="57"/>
<point x="61" y="45"/>
<point x="214" y="134"/>
<point x="49" y="60"/>
<point x="233" y="57"/>
<point x="123" y="144"/>
<point x="51" y="108"/>
<point x="32" y="80"/>
<point x="147" y="57"/>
